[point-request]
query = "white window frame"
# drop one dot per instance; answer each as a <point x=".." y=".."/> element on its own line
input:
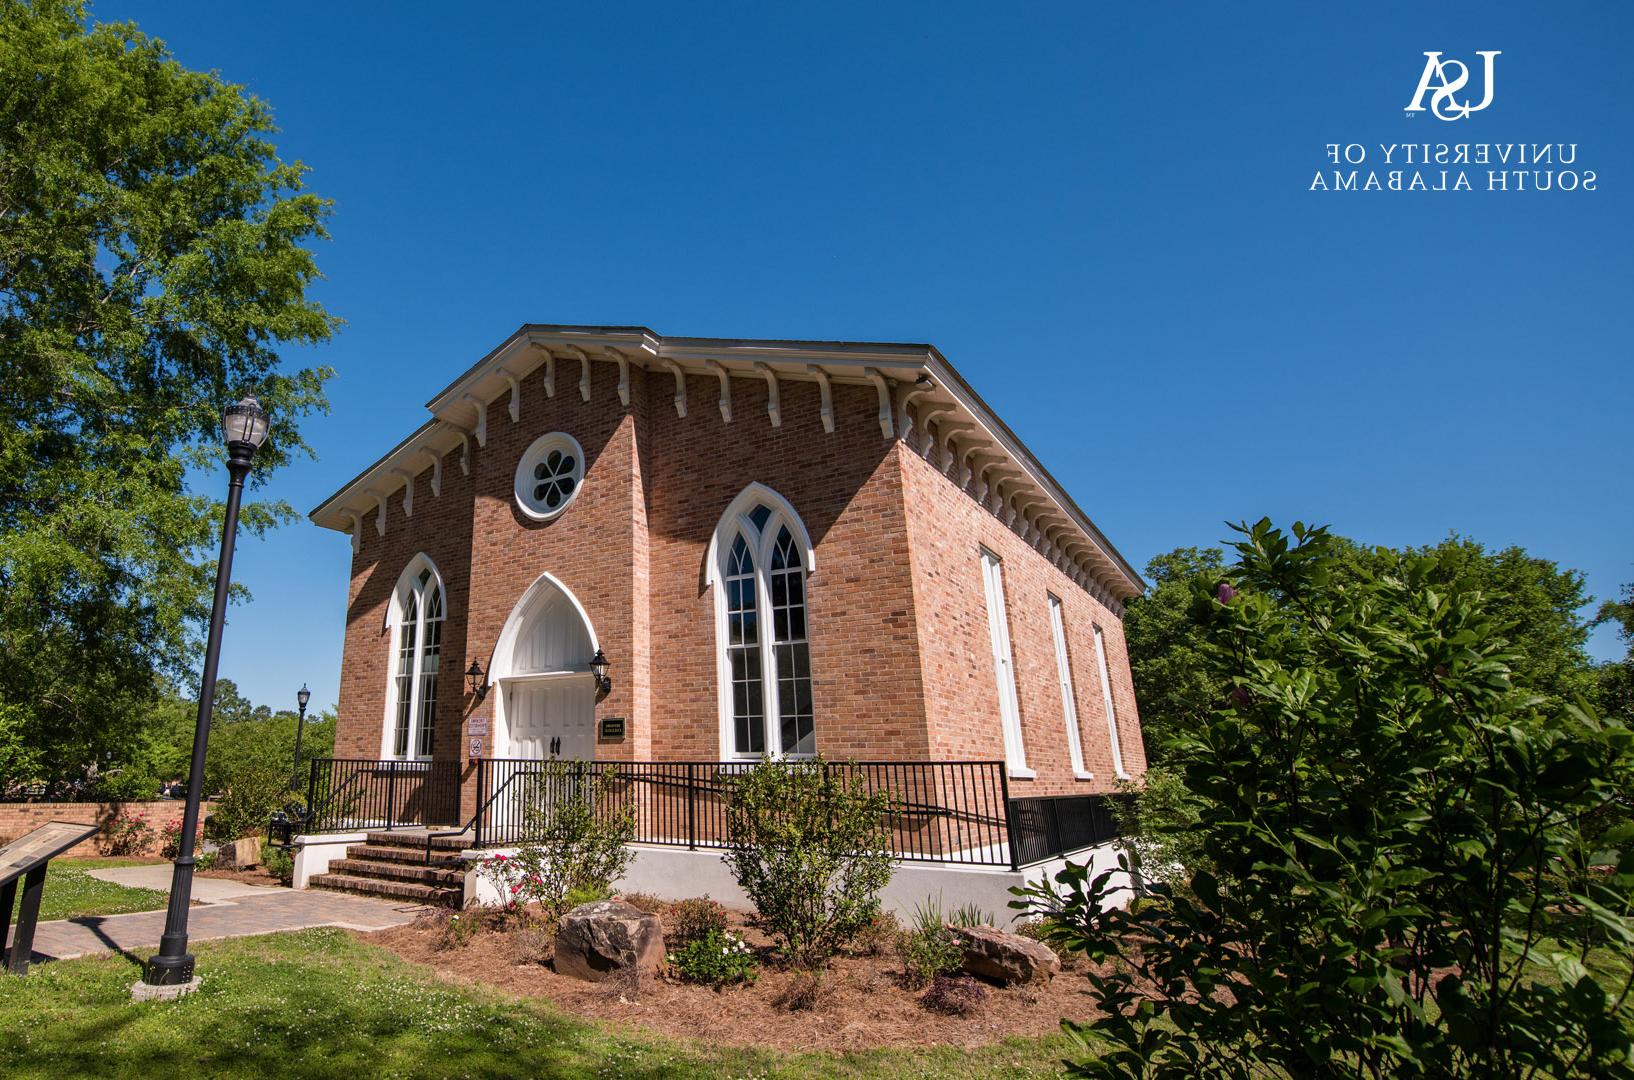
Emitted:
<point x="1004" y="667"/>
<point x="525" y="481"/>
<point x="1111" y="710"/>
<point x="1069" y="704"/>
<point x="734" y="522"/>
<point x="409" y="582"/>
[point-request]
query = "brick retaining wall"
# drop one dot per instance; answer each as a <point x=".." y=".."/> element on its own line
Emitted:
<point x="19" y="818"/>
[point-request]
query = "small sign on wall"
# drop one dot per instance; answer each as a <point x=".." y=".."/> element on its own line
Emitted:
<point x="476" y="749"/>
<point x="477" y="725"/>
<point x="612" y="729"/>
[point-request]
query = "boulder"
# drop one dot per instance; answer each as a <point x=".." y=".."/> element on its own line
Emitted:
<point x="239" y="854"/>
<point x="608" y="937"/>
<point x="1006" y="958"/>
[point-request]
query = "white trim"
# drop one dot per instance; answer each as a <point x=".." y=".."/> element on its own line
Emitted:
<point x="1004" y="667"/>
<point x="500" y="660"/>
<point x="734" y="520"/>
<point x="1111" y="712"/>
<point x="408" y="579"/>
<point x="1069" y="705"/>
<point x="532" y="456"/>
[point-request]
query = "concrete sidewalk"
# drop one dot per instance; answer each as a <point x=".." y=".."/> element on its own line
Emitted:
<point x="206" y="890"/>
<point x="267" y="911"/>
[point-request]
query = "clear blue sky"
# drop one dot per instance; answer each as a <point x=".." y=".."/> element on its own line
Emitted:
<point x="1099" y="213"/>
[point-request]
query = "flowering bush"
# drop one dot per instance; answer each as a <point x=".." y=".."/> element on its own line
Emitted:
<point x="510" y="878"/>
<point x="716" y="959"/>
<point x="577" y="837"/>
<point x="687" y="921"/>
<point x="126" y="834"/>
<point x="172" y="834"/>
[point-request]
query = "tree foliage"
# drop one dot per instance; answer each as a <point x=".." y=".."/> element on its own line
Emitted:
<point x="153" y="259"/>
<point x="1400" y="882"/>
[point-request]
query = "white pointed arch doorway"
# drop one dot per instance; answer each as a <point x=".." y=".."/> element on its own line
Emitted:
<point x="541" y="673"/>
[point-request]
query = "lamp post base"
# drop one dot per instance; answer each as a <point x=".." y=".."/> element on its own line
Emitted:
<point x="142" y="990"/>
<point x="164" y="970"/>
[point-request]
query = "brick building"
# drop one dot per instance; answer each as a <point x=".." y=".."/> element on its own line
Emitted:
<point x="779" y="547"/>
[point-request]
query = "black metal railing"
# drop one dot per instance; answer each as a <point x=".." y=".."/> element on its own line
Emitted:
<point x="354" y="794"/>
<point x="957" y="812"/>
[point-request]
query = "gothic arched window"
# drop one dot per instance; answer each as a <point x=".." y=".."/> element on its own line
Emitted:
<point x="418" y="612"/>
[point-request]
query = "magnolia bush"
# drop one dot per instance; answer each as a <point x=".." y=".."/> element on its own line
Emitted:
<point x="1398" y="881"/>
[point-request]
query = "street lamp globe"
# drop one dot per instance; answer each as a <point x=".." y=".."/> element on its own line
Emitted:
<point x="302" y="696"/>
<point x="245" y="425"/>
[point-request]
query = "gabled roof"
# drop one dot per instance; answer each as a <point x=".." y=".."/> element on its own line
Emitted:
<point x="922" y="399"/>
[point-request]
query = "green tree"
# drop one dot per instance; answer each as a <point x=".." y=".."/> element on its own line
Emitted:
<point x="153" y="259"/>
<point x="1172" y="682"/>
<point x="1400" y="876"/>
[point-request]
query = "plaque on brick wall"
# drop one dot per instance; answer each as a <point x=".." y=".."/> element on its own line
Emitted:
<point x="477" y="725"/>
<point x="612" y="728"/>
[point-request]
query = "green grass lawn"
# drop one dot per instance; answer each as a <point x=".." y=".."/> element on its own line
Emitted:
<point x="319" y="1003"/>
<point x="70" y="890"/>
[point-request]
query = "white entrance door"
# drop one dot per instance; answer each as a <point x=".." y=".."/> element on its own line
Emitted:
<point x="551" y="717"/>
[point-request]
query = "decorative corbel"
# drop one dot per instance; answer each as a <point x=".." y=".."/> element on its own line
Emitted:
<point x="726" y="387"/>
<point x="408" y="491"/>
<point x="907" y="394"/>
<point x="516" y="394"/>
<point x="773" y="407"/>
<point x="680" y="388"/>
<point x="584" y="370"/>
<point x="481" y="429"/>
<point x="436" y="471"/>
<point x="623" y="375"/>
<point x="826" y="393"/>
<point x="550" y="371"/>
<point x="357" y="531"/>
<point x="886" y="428"/>
<point x="380" y="515"/>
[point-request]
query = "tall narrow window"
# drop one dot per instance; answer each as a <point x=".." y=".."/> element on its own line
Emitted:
<point x="1106" y="697"/>
<point x="761" y="558"/>
<point x="1015" y="754"/>
<point x="419" y="616"/>
<point x="1069" y="703"/>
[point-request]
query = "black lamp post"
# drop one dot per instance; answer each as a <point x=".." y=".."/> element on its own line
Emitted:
<point x="244" y="429"/>
<point x="302" y="696"/>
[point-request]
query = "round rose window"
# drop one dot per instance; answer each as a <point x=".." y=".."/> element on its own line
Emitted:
<point x="549" y="476"/>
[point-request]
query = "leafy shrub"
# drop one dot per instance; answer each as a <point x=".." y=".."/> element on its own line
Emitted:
<point x="584" y="894"/>
<point x="279" y="862"/>
<point x="954" y="995"/>
<point x="172" y="835"/>
<point x="126" y="833"/>
<point x="457" y="928"/>
<point x="879" y="937"/>
<point x="690" y="920"/>
<point x="205" y="860"/>
<point x="926" y="953"/>
<point x="716" y="959"/>
<point x="252" y="794"/>
<point x="804" y="992"/>
<point x="647" y="902"/>
<point x="1395" y="840"/>
<point x="810" y="848"/>
<point x="576" y="840"/>
<point x="971" y="915"/>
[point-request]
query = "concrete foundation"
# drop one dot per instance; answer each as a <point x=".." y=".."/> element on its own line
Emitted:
<point x="313" y="854"/>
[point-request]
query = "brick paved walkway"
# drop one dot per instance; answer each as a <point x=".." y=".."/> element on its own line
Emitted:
<point x="266" y="913"/>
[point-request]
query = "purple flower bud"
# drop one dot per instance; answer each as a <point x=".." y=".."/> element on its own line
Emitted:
<point x="1225" y="593"/>
<point x="1240" y="697"/>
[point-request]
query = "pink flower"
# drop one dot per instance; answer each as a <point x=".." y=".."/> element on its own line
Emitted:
<point x="1225" y="593"/>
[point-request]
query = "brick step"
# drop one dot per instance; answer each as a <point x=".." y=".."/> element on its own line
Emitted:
<point x="396" y="871"/>
<point x="415" y="856"/>
<point x="418" y="840"/>
<point x="395" y="890"/>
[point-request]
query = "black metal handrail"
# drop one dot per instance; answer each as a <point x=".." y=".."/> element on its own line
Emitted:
<point x="351" y="794"/>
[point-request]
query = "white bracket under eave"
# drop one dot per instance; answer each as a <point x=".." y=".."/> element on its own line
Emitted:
<point x="408" y="491"/>
<point x="623" y="375"/>
<point x="774" y="407"/>
<point x="357" y="530"/>
<point x="584" y="370"/>
<point x="906" y="395"/>
<point x="550" y="371"/>
<point x="826" y="393"/>
<point x="436" y="471"/>
<point x="516" y="394"/>
<point x="726" y="388"/>
<point x="380" y="514"/>
<point x="887" y="429"/>
<point x="481" y="430"/>
<point x="680" y="388"/>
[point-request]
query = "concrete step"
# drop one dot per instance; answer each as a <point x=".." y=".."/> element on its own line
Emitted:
<point x="411" y="855"/>
<point x="398" y="871"/>
<point x="417" y="838"/>
<point x="395" y="890"/>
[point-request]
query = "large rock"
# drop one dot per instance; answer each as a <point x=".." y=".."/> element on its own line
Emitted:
<point x="239" y="854"/>
<point x="608" y="937"/>
<point x="1006" y="958"/>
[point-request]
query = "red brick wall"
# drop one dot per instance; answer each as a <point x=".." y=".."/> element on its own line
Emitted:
<point x="19" y="818"/>
<point x="632" y="547"/>
<point x="948" y="528"/>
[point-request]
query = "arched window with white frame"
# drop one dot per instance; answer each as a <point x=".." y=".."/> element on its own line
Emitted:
<point x="415" y="620"/>
<point x="758" y="564"/>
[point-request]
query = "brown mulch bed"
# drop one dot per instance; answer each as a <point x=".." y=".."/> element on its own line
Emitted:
<point x="862" y="1004"/>
<point x="255" y="875"/>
